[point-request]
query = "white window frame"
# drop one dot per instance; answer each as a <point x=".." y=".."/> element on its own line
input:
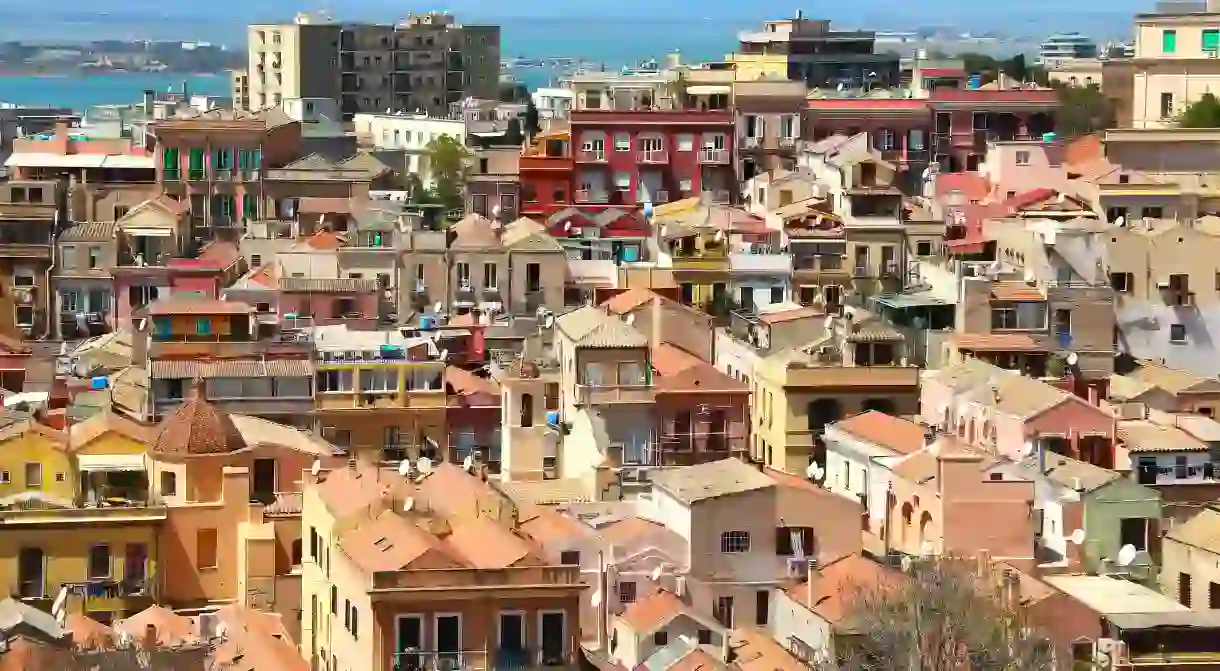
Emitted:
<point x="622" y="142"/>
<point x="563" y="614"/>
<point x="686" y="142"/>
<point x="398" y="618"/>
<point x="490" y="280"/>
<point x="734" y="542"/>
<point x="436" y="634"/>
<point x="524" y="630"/>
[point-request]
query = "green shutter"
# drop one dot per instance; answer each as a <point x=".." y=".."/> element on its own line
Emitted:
<point x="196" y="159"/>
<point x="170" y="159"/>
<point x="1169" y="41"/>
<point x="1211" y="40"/>
<point x="249" y="206"/>
<point x="203" y="325"/>
<point x="243" y="159"/>
<point x="256" y="159"/>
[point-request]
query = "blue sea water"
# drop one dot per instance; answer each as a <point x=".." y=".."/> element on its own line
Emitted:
<point x="79" y="92"/>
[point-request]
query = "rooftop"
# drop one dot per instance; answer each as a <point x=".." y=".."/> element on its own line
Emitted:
<point x="711" y="480"/>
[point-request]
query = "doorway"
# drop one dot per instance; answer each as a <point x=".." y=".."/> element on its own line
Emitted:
<point x="262" y="485"/>
<point x="552" y="637"/>
<point x="448" y="642"/>
<point x="511" y="652"/>
<point x="409" y="643"/>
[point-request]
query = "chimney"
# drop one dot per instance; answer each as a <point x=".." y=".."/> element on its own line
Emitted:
<point x="726" y="648"/>
<point x="810" y="574"/>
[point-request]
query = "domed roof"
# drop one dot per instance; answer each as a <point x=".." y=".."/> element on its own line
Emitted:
<point x="198" y="427"/>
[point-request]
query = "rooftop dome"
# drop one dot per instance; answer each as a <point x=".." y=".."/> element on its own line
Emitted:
<point x="198" y="427"/>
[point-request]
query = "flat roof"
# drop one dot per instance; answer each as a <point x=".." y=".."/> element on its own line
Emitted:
<point x="1114" y="596"/>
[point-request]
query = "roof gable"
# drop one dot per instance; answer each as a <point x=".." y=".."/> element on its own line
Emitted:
<point x="310" y="162"/>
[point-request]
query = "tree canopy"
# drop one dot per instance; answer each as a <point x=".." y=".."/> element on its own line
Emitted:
<point x="449" y="160"/>
<point x="1204" y="113"/>
<point x="1083" y="110"/>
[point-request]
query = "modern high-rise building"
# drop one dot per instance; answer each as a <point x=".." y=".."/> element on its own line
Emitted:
<point x="421" y="64"/>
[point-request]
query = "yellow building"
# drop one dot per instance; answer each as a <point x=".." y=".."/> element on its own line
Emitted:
<point x="76" y="516"/>
<point x="753" y="67"/>
<point x="699" y="257"/>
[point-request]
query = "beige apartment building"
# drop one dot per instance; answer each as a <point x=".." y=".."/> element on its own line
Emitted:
<point x="1177" y="60"/>
<point x="421" y="64"/>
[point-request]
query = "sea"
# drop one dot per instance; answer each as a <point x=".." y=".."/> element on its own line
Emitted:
<point x="696" y="40"/>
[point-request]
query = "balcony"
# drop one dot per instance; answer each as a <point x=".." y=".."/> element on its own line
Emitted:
<point x="483" y="660"/>
<point x="27" y="211"/>
<point x="591" y="156"/>
<point x="398" y="586"/>
<point x="195" y="174"/>
<point x="417" y="399"/>
<point x="890" y="269"/>
<point x="171" y="175"/>
<point x="788" y="142"/>
<point x="220" y="349"/>
<point x="812" y="375"/>
<point x="653" y="157"/>
<point x="751" y="142"/>
<point x="768" y="263"/>
<point x="722" y="197"/>
<point x="713" y="156"/>
<point x="21" y="250"/>
<point x="591" y="196"/>
<point x="605" y="394"/>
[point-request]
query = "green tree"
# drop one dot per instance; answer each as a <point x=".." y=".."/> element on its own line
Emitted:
<point x="449" y="160"/>
<point x="1083" y="110"/>
<point x="532" y="125"/>
<point x="1204" y="113"/>
<point x="1016" y="68"/>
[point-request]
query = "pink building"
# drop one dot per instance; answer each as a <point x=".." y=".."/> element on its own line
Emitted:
<point x="343" y="300"/>
<point x="1008" y="413"/>
<point x="1014" y="167"/>
<point x="943" y="500"/>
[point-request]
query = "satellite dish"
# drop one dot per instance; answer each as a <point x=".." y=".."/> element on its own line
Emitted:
<point x="1030" y="448"/>
<point x="630" y="319"/>
<point x="596" y="598"/>
<point x="424" y="465"/>
<point x="404" y="468"/>
<point x="906" y="563"/>
<point x="656" y="573"/>
<point x="408" y="505"/>
<point x="316" y="468"/>
<point x="495" y="211"/>
<point x="1077" y="537"/>
<point x="1072" y="359"/>
<point x="815" y="471"/>
<point x="1126" y="555"/>
<point x="468" y="462"/>
<point x="1120" y="222"/>
<point x="548" y="321"/>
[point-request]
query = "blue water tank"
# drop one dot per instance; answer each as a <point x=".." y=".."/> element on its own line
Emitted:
<point x="1048" y="137"/>
<point x="98" y="383"/>
<point x="648" y="210"/>
<point x="426" y="322"/>
<point x="631" y="254"/>
<point x="552" y="418"/>
<point x="974" y="82"/>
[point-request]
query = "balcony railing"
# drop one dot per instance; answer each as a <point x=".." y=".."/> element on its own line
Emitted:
<point x="591" y="156"/>
<point x="769" y="263"/>
<point x="750" y="142"/>
<point x="653" y="156"/>
<point x="195" y="175"/>
<point x="608" y="394"/>
<point x="787" y="142"/>
<point x="504" y="659"/>
<point x="714" y="156"/>
<point x="588" y="196"/>
<point x="171" y="174"/>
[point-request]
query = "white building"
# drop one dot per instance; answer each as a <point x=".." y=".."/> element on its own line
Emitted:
<point x="409" y="133"/>
<point x="553" y="103"/>
<point x="859" y="453"/>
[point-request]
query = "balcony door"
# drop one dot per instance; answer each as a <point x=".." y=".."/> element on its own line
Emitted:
<point x="552" y="637"/>
<point x="31" y="573"/>
<point x="409" y="636"/>
<point x="448" y="634"/>
<point x="512" y="639"/>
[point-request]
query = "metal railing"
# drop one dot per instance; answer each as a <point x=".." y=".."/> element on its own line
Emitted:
<point x="591" y="156"/>
<point x="653" y="156"/>
<point x="503" y="659"/>
<point x="714" y="156"/>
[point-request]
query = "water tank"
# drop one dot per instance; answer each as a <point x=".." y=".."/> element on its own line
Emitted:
<point x="99" y="383"/>
<point x="974" y="82"/>
<point x="426" y="322"/>
<point x="552" y="418"/>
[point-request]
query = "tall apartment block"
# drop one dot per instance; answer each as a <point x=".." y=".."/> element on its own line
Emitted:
<point x="421" y="64"/>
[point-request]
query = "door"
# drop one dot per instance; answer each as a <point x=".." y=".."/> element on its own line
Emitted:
<point x="448" y="642"/>
<point x="135" y="563"/>
<point x="262" y="485"/>
<point x="30" y="565"/>
<point x="552" y="636"/>
<point x="512" y="641"/>
<point x="410" y="643"/>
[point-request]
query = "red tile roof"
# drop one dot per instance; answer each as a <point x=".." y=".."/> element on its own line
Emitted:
<point x="972" y="185"/>
<point x="900" y="435"/>
<point x="867" y="104"/>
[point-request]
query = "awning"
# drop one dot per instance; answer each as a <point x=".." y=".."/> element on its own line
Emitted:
<point x="111" y="462"/>
<point x="708" y="89"/>
<point x="147" y="232"/>
<point x="35" y="159"/>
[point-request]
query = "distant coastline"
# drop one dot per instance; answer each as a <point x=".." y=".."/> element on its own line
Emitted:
<point x="81" y="91"/>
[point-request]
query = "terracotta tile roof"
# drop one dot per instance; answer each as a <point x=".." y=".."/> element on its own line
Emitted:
<point x="484" y="544"/>
<point x="88" y="633"/>
<point x="628" y="301"/>
<point x="392" y="543"/>
<point x="919" y="468"/>
<point x="652" y="612"/>
<point x="219" y="254"/>
<point x="171" y="629"/>
<point x="465" y="383"/>
<point x="255" y="641"/>
<point x="181" y="304"/>
<point x="1031" y="197"/>
<point x="972" y="185"/>
<point x="169" y="204"/>
<point x="286" y="504"/>
<point x="189" y="369"/>
<point x="710" y="480"/>
<point x="89" y="232"/>
<point x="592" y="327"/>
<point x="196" y="428"/>
<point x="697" y="659"/>
<point x="754" y="650"/>
<point x="913" y="105"/>
<point x="347" y="491"/>
<point x="328" y="285"/>
<point x="629" y="530"/>
<point x="701" y="377"/>
<point x="546" y="525"/>
<point x="1083" y="151"/>
<point x="102" y="423"/>
<point x="1201" y="531"/>
<point x="779" y="317"/>
<point x="997" y="342"/>
<point x="1025" y="397"/>
<point x="670" y="360"/>
<point x="900" y="435"/>
<point x="321" y="241"/>
<point x="835" y="587"/>
<point x="1173" y="380"/>
<point x="1016" y="291"/>
<point x="10" y="345"/>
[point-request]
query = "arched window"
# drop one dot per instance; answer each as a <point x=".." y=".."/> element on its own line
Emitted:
<point x="907" y="513"/>
<point x="925" y="523"/>
<point x="527" y="409"/>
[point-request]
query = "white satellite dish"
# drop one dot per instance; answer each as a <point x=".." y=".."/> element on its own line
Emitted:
<point x="1072" y="359"/>
<point x="408" y="505"/>
<point x="630" y="319"/>
<point x="815" y="471"/>
<point x="1120" y="222"/>
<point x="438" y="307"/>
<point x="424" y="465"/>
<point x="404" y="468"/>
<point x="596" y="598"/>
<point x="1030" y="448"/>
<point x="1126" y="555"/>
<point x="316" y="468"/>
<point x="468" y="462"/>
<point x="1077" y="537"/>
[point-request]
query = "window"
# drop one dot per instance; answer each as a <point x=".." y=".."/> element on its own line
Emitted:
<point x="203" y="325"/>
<point x="1123" y="281"/>
<point x="1177" y="333"/>
<point x="723" y="611"/>
<point x="347" y="614"/>
<point x="569" y="557"/>
<point x="705" y="636"/>
<point x="1213" y="595"/>
<point x="355" y="623"/>
<point x="660" y="639"/>
<point x="169" y="483"/>
<point x="1152" y="212"/>
<point x="527" y="409"/>
<point x="205" y="548"/>
<point x="1169" y="41"/>
<point x="777" y="295"/>
<point x="99" y="561"/>
<point x="95" y="256"/>
<point x="33" y="476"/>
<point x="256" y="260"/>
<point x="915" y="139"/>
<point x="5" y="477"/>
<point x="1134" y="531"/>
<point x="622" y="181"/>
<point x="885" y="139"/>
<point x="735" y="541"/>
<point x="762" y="607"/>
<point x="626" y="591"/>
<point x="622" y="142"/>
<point x="923" y="248"/>
<point x="1022" y="158"/>
<point x="489" y="275"/>
<point x="1166" y="105"/>
<point x="686" y="142"/>
<point x="1184" y="589"/>
<point x="334" y="600"/>
<point x="1211" y="40"/>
